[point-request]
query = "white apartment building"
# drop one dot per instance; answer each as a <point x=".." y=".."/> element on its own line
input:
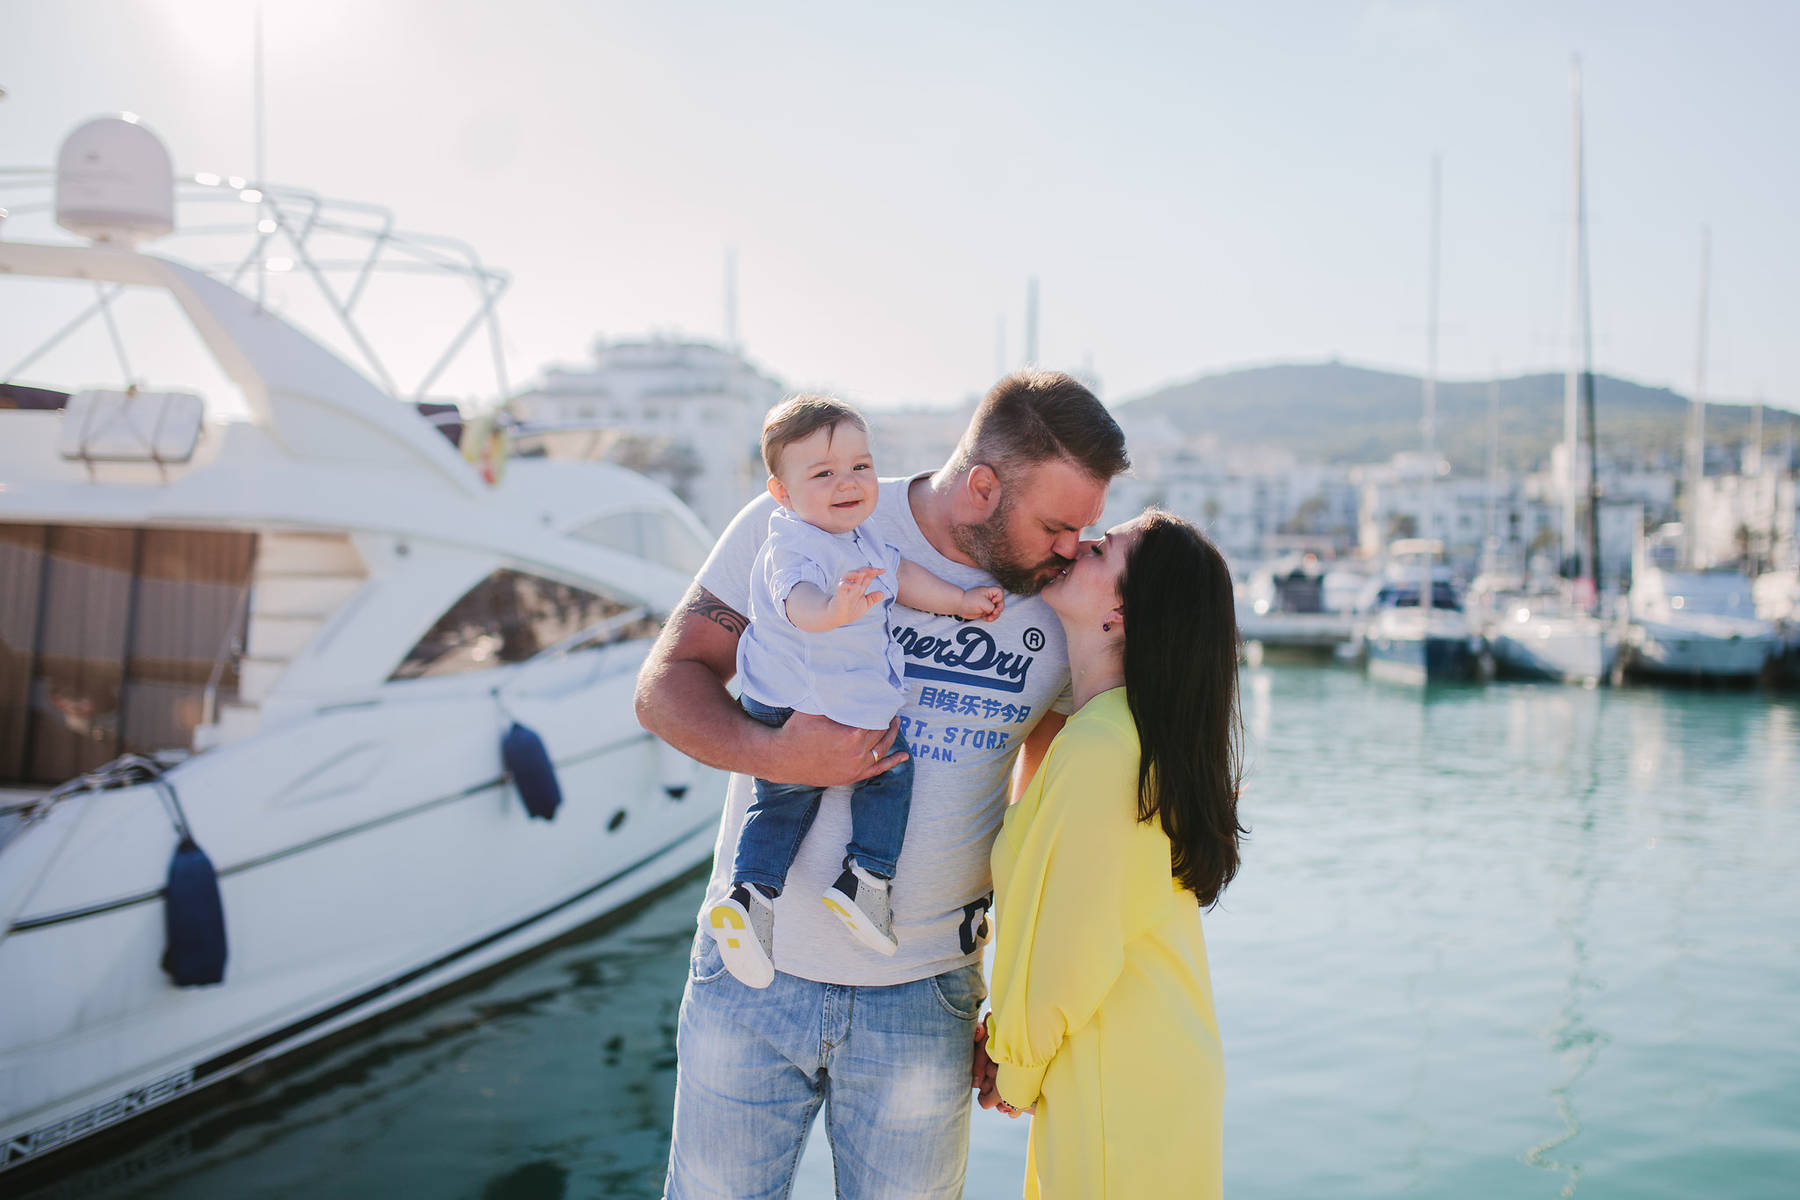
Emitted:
<point x="1525" y="522"/>
<point x="909" y="440"/>
<point x="1748" y="517"/>
<point x="1246" y="507"/>
<point x="687" y="413"/>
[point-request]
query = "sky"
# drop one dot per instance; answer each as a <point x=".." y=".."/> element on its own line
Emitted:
<point x="1195" y="186"/>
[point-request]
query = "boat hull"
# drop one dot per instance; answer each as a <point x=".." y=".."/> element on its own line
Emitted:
<point x="402" y="863"/>
<point x="1671" y="652"/>
<point x="1580" y="657"/>
<point x="1421" y="660"/>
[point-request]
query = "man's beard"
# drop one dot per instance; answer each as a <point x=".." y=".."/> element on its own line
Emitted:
<point x="986" y="542"/>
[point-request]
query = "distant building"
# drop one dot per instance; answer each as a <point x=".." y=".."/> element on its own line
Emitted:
<point x="909" y="440"/>
<point x="687" y="413"/>
<point x="1747" y="520"/>
<point x="1252" y="507"/>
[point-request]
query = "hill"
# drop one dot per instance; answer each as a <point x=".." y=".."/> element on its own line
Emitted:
<point x="1335" y="412"/>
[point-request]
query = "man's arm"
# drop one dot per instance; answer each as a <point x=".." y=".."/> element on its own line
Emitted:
<point x="681" y="698"/>
<point x="1031" y="754"/>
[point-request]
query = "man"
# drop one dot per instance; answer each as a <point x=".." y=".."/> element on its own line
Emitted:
<point x="887" y="1043"/>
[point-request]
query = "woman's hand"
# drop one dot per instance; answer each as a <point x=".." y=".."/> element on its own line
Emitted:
<point x="984" y="1078"/>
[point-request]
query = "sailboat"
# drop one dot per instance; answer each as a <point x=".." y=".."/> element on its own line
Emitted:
<point x="1694" y="621"/>
<point x="1420" y="635"/>
<point x="1555" y="635"/>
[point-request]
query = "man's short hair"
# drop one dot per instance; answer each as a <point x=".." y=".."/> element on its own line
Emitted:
<point x="1032" y="417"/>
<point x="798" y="418"/>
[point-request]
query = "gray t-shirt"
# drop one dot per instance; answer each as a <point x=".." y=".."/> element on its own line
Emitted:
<point x="974" y="690"/>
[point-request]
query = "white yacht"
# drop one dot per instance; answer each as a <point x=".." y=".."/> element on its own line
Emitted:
<point x="1543" y="638"/>
<point x="1777" y="595"/>
<point x="1419" y="635"/>
<point x="1288" y="604"/>
<point x="1404" y="642"/>
<point x="302" y="716"/>
<point x="1695" y="625"/>
<point x="1557" y="632"/>
<point x="1540" y="632"/>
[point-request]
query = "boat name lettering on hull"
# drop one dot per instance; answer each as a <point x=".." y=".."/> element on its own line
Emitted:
<point x="49" y="1137"/>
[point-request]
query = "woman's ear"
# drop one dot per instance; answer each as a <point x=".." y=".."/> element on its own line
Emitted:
<point x="779" y="490"/>
<point x="1115" y="619"/>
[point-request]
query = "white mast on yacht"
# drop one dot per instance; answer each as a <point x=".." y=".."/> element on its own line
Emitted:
<point x="1696" y="439"/>
<point x="1577" y="317"/>
<point x="1578" y="384"/>
<point x="1430" y="388"/>
<point x="1490" y="546"/>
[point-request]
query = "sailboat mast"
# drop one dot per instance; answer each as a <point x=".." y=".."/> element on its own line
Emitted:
<point x="1490" y="546"/>
<point x="1571" y="376"/>
<point x="1696" y="440"/>
<point x="1585" y="300"/>
<point x="1430" y="423"/>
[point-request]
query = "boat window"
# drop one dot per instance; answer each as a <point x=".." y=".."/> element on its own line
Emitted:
<point x="509" y="617"/>
<point x="109" y="640"/>
<point x="653" y="533"/>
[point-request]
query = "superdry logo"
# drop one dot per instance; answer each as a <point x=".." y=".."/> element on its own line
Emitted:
<point x="970" y="657"/>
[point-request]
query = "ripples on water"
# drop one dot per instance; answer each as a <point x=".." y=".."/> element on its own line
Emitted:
<point x="1513" y="941"/>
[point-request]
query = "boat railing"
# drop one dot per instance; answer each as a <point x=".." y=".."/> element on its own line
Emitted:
<point x="340" y="245"/>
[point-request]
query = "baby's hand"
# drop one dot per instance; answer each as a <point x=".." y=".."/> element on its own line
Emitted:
<point x="850" y="601"/>
<point x="983" y="603"/>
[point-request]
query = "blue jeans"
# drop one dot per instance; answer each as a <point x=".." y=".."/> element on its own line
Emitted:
<point x="890" y="1064"/>
<point x="782" y="813"/>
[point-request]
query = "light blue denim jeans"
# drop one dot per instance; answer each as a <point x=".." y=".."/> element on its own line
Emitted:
<point x="890" y="1064"/>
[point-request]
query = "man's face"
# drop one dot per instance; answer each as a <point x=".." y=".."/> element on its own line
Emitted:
<point x="1035" y="530"/>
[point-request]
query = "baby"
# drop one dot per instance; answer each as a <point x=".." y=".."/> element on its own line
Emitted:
<point x="818" y="642"/>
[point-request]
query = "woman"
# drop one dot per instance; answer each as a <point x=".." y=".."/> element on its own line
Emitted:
<point x="1102" y="1015"/>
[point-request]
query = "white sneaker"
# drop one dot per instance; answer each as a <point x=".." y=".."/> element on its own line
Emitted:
<point x="743" y="925"/>
<point x="861" y="902"/>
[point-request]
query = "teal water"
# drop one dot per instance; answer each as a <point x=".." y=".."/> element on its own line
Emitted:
<point x="1512" y="941"/>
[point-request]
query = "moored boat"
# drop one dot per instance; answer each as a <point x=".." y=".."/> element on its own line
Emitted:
<point x="304" y="716"/>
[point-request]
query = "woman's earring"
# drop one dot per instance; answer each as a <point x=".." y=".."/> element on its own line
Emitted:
<point x="1106" y="628"/>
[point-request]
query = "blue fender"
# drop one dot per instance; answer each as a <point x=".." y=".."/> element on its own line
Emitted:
<point x="528" y="762"/>
<point x="193" y="919"/>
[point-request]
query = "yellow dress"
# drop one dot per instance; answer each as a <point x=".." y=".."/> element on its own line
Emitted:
<point x="1102" y="1002"/>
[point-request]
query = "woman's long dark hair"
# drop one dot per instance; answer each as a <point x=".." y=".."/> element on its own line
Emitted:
<point x="1181" y="681"/>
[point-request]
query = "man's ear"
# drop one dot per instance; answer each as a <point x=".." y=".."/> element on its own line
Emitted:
<point x="984" y="488"/>
<point x="779" y="490"/>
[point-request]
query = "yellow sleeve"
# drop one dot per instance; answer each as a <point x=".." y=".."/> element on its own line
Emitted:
<point x="1088" y="879"/>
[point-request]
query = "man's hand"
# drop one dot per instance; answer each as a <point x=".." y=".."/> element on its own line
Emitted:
<point x="984" y="1071"/>
<point x="982" y="604"/>
<point x="819" y="752"/>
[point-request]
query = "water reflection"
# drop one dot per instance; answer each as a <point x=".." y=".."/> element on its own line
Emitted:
<point x="1574" y="1042"/>
<point x="544" y="1179"/>
<point x="1499" y="942"/>
<point x="554" y="1079"/>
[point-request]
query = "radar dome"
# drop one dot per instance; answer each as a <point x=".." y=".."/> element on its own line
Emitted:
<point x="114" y="182"/>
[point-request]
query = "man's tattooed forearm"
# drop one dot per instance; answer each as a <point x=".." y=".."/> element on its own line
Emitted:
<point x="711" y="608"/>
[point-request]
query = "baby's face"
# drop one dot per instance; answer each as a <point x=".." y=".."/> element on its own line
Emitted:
<point x="828" y="478"/>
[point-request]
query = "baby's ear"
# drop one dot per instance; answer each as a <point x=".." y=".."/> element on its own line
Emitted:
<point x="779" y="490"/>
